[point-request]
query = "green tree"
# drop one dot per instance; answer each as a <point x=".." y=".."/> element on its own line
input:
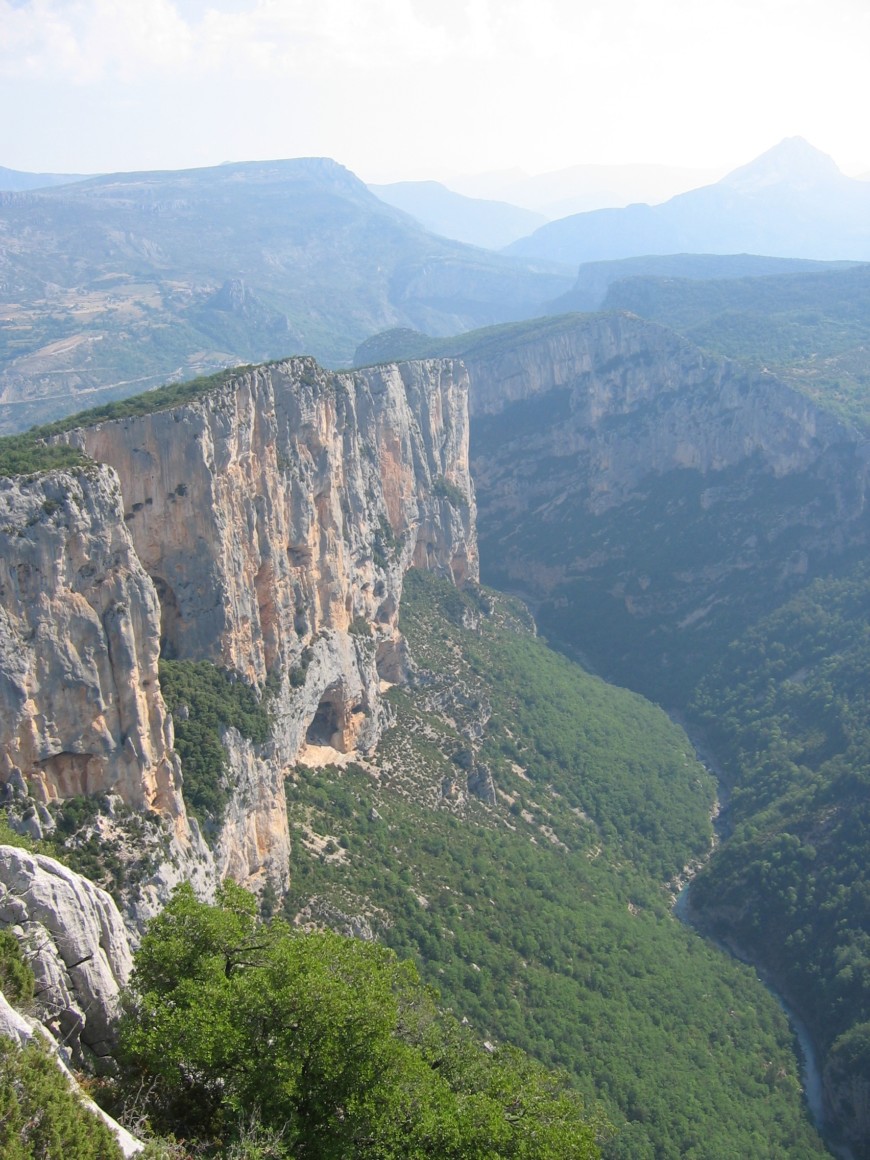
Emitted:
<point x="333" y="1041"/>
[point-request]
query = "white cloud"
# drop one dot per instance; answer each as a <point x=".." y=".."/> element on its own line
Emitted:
<point x="85" y="41"/>
<point x="436" y="84"/>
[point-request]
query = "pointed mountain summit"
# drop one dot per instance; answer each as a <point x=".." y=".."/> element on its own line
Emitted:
<point x="791" y="202"/>
<point x="792" y="162"/>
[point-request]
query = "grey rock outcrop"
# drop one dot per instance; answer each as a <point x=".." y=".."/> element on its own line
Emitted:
<point x="254" y="834"/>
<point x="14" y="1025"/>
<point x="481" y="784"/>
<point x="74" y="939"/>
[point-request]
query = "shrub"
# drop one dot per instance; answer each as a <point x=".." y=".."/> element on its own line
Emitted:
<point x="41" y="1118"/>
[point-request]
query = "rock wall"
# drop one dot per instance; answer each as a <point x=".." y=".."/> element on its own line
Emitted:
<point x="649" y="498"/>
<point x="637" y="399"/>
<point x="80" y="701"/>
<point x="276" y="517"/>
<point x="290" y="502"/>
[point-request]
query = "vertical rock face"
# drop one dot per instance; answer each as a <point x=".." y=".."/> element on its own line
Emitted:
<point x="290" y="502"/>
<point x="280" y="512"/>
<point x="625" y="398"/>
<point x="80" y="702"/>
<point x="266" y="527"/>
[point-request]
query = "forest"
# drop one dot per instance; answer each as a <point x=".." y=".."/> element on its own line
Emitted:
<point x="537" y="901"/>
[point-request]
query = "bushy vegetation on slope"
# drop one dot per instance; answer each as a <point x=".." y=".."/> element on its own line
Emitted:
<point x="788" y="712"/>
<point x="543" y="918"/>
<point x="40" y="1117"/>
<point x="31" y="451"/>
<point x="333" y="1047"/>
<point x="204" y="701"/>
<point x="16" y="976"/>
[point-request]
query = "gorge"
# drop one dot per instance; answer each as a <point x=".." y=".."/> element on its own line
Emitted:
<point x="652" y="501"/>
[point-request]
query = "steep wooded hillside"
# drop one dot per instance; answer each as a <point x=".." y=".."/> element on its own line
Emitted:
<point x="693" y="528"/>
<point x="512" y="834"/>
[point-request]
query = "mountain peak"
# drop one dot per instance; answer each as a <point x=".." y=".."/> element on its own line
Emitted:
<point x="793" y="160"/>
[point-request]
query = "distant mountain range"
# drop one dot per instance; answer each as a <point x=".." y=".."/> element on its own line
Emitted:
<point x="15" y="180"/>
<point x="117" y="283"/>
<point x="583" y="187"/>
<point x="492" y="224"/>
<point x="112" y="284"/>
<point x="791" y="202"/>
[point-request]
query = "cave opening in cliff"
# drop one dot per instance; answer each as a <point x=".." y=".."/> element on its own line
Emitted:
<point x="327" y="725"/>
<point x="170" y="619"/>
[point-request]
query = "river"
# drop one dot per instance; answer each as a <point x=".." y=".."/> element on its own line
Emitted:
<point x="811" y="1074"/>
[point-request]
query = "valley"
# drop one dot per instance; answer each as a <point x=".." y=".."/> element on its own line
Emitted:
<point x="272" y="625"/>
<point x="504" y="819"/>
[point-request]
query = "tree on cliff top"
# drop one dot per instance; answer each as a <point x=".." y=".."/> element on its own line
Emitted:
<point x="331" y="1041"/>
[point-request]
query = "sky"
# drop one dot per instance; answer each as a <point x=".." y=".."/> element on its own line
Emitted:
<point x="412" y="89"/>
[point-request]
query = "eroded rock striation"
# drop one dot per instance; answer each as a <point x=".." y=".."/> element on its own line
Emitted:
<point x="76" y="943"/>
<point x="617" y="399"/>
<point x="74" y="939"/>
<point x="278" y="515"/>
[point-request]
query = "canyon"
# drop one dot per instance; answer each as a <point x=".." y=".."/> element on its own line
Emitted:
<point x="648" y="499"/>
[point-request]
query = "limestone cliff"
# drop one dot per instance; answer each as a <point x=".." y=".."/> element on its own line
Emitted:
<point x="636" y="399"/>
<point x="644" y="491"/>
<point x="79" y="634"/>
<point x="291" y="501"/>
<point x="265" y="526"/>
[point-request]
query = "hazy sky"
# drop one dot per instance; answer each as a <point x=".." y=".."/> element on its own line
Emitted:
<point x="425" y="88"/>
